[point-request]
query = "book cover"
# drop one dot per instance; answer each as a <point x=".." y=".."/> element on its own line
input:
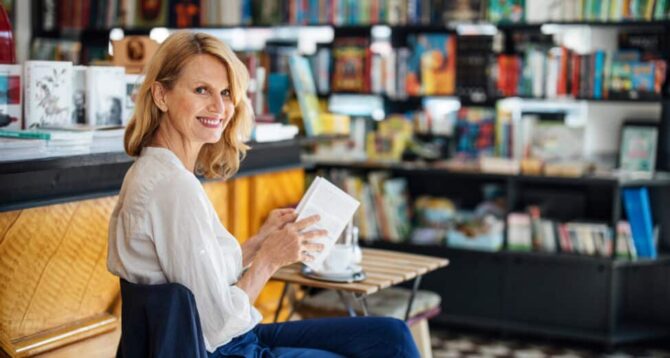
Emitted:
<point x="268" y="12"/>
<point x="643" y="79"/>
<point x="151" y="13"/>
<point x="303" y="83"/>
<point x="48" y="93"/>
<point x="336" y="209"/>
<point x="350" y="65"/>
<point x="638" y="210"/>
<point x="395" y="191"/>
<point x="461" y="10"/>
<point x="438" y="63"/>
<point x="105" y="93"/>
<point x="10" y="97"/>
<point x="184" y="13"/>
<point x="475" y="132"/>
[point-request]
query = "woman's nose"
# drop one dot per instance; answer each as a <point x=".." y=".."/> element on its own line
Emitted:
<point x="217" y="106"/>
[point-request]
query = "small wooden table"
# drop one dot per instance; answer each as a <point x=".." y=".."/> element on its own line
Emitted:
<point x="383" y="269"/>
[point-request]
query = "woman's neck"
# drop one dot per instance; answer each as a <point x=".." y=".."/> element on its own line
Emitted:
<point x="169" y="138"/>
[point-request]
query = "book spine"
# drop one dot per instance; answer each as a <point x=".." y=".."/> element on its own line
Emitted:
<point x="28" y="112"/>
<point x="24" y="134"/>
<point x="636" y="202"/>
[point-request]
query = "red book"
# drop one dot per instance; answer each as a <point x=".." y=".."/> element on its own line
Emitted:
<point x="576" y="64"/>
<point x="563" y="74"/>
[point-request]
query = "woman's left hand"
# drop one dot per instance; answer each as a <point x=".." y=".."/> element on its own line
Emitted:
<point x="276" y="221"/>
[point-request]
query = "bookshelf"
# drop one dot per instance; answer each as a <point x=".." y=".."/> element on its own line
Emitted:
<point x="601" y="300"/>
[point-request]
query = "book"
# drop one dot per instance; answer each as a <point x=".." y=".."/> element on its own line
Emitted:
<point x="184" y="13"/>
<point x="335" y="207"/>
<point x="303" y="82"/>
<point x="23" y="134"/>
<point x="48" y="93"/>
<point x="638" y="209"/>
<point x="151" y="13"/>
<point x="351" y="67"/>
<point x="438" y="64"/>
<point x="10" y="97"/>
<point x="105" y="93"/>
<point x="79" y="94"/>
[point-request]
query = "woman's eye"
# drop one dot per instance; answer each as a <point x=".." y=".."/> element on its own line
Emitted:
<point x="201" y="90"/>
<point x="225" y="93"/>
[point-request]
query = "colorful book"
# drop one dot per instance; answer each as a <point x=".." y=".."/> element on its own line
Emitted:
<point x="151" y="13"/>
<point x="184" y="13"/>
<point x="350" y="65"/>
<point x="10" y="97"/>
<point x="638" y="209"/>
<point x="303" y="82"/>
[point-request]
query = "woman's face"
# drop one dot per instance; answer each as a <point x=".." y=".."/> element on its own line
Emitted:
<point x="199" y="106"/>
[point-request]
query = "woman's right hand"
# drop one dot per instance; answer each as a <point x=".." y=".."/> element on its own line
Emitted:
<point x="288" y="245"/>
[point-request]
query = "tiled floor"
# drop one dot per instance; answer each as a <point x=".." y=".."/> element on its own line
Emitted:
<point x="454" y="344"/>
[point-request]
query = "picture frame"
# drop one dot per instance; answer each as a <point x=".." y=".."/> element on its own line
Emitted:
<point x="638" y="147"/>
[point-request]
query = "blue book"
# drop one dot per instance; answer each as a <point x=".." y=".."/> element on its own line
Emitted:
<point x="599" y="71"/>
<point x="638" y="210"/>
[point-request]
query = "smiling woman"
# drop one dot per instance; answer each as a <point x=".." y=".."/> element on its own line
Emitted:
<point x="192" y="115"/>
<point x="197" y="85"/>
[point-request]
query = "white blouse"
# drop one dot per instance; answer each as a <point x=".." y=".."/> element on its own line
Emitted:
<point x="164" y="229"/>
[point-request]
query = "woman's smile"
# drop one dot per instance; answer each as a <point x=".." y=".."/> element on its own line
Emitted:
<point x="210" y="122"/>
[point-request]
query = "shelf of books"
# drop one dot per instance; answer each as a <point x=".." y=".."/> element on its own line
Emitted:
<point x="558" y="296"/>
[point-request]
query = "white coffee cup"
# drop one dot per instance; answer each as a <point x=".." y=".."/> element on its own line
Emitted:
<point x="339" y="259"/>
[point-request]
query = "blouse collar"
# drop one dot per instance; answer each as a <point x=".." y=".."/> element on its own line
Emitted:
<point x="163" y="154"/>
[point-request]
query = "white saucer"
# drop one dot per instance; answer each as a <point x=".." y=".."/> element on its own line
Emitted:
<point x="353" y="274"/>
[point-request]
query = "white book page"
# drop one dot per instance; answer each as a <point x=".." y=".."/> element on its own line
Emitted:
<point x="334" y="206"/>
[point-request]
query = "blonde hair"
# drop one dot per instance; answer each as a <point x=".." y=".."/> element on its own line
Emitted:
<point x="220" y="159"/>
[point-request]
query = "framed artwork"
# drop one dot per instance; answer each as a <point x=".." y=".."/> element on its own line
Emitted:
<point x="637" y="149"/>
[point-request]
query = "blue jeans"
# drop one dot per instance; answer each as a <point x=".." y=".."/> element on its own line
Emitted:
<point x="325" y="338"/>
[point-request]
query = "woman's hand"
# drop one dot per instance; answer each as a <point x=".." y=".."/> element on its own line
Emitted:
<point x="290" y="244"/>
<point x="276" y="221"/>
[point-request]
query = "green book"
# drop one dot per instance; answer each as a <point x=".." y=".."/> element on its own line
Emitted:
<point x="24" y="134"/>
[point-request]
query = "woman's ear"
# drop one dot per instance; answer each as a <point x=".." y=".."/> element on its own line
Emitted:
<point x="158" y="93"/>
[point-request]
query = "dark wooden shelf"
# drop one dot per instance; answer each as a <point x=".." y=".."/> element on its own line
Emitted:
<point x="490" y="101"/>
<point x="30" y="183"/>
<point x="546" y="257"/>
<point x="623" y="23"/>
<point x="660" y="179"/>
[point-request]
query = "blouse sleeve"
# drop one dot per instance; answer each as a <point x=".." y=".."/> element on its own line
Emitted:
<point x="188" y="253"/>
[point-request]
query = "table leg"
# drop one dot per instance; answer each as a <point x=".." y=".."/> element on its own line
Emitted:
<point x="415" y="288"/>
<point x="281" y="301"/>
<point x="347" y="304"/>
<point x="364" y="305"/>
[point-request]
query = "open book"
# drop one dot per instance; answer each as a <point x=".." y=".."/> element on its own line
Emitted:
<point x="334" y="206"/>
